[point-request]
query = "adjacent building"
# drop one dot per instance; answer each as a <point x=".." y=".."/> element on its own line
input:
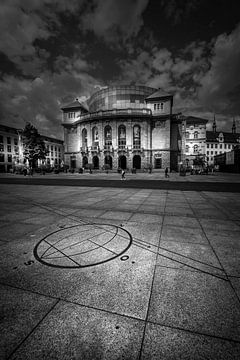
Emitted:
<point x="11" y="149"/>
<point x="194" y="138"/>
<point x="122" y="127"/>
<point x="219" y="142"/>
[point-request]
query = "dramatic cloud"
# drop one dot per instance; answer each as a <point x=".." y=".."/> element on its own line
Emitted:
<point x="176" y="10"/>
<point x="115" y="20"/>
<point x="39" y="100"/>
<point x="220" y="86"/>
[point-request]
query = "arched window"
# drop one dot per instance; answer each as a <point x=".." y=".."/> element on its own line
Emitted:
<point x="108" y="135"/>
<point x="136" y="137"/>
<point x="195" y="135"/>
<point x="84" y="138"/>
<point x="195" y="148"/>
<point x="122" y="136"/>
<point x="95" y="137"/>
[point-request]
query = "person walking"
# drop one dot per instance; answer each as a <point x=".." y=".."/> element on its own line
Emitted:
<point x="166" y="173"/>
<point x="123" y="174"/>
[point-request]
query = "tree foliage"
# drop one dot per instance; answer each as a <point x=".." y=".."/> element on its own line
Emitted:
<point x="33" y="144"/>
<point x="199" y="160"/>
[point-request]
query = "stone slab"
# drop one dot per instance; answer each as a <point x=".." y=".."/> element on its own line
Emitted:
<point x="195" y="302"/>
<point x="20" y="312"/>
<point x="166" y="343"/>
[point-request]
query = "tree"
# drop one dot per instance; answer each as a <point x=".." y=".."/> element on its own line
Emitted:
<point x="33" y="145"/>
<point x="199" y="160"/>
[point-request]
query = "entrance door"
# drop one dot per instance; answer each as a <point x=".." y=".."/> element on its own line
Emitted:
<point x="137" y="162"/>
<point x="158" y="163"/>
<point x="108" y="161"/>
<point x="84" y="161"/>
<point x="73" y="163"/>
<point x="95" y="162"/>
<point x="122" y="162"/>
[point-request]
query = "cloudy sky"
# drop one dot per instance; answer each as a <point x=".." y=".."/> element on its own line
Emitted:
<point x="52" y="51"/>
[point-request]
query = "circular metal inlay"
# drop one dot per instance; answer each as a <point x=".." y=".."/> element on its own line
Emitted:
<point x="82" y="245"/>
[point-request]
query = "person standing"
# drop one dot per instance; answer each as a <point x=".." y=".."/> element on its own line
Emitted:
<point x="166" y="173"/>
<point x="123" y="174"/>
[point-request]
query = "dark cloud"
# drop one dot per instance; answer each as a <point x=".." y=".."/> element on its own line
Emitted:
<point x="115" y="21"/>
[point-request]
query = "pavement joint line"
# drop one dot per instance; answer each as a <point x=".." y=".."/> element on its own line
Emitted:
<point x="60" y="299"/>
<point x="151" y="289"/>
<point x="183" y="269"/>
<point x="234" y="291"/>
<point x="33" y="329"/>
<point x="181" y="255"/>
<point x="217" y="206"/>
<point x="194" y="332"/>
<point x="187" y="265"/>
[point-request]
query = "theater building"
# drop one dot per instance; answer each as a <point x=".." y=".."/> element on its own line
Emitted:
<point x="122" y="127"/>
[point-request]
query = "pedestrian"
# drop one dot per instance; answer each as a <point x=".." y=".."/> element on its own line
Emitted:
<point x="123" y="174"/>
<point x="166" y="173"/>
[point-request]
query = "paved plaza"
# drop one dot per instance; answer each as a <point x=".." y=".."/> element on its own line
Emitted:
<point x="119" y="273"/>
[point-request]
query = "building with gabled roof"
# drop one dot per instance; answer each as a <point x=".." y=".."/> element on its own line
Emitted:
<point x="219" y="142"/>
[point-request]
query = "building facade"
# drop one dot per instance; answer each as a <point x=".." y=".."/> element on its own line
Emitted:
<point x="11" y="149"/>
<point x="219" y="142"/>
<point x="194" y="138"/>
<point x="122" y="127"/>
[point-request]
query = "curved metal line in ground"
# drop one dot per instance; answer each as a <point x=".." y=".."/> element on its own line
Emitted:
<point x="59" y="257"/>
<point x="80" y="266"/>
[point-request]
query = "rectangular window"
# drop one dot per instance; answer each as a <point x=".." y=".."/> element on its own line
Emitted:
<point x="207" y="152"/>
<point x="1" y="157"/>
<point x="215" y="146"/>
<point x="8" y="140"/>
<point x="211" y="146"/>
<point x="9" y="148"/>
<point x="211" y="152"/>
<point x="229" y="146"/>
<point x="10" y="158"/>
<point x="220" y="146"/>
<point x="15" y="141"/>
<point x="1" y="147"/>
<point x="225" y="146"/>
<point x="1" y="139"/>
<point x="208" y="146"/>
<point x="155" y="106"/>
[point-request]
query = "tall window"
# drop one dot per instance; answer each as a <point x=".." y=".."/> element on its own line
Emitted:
<point x="136" y="137"/>
<point x="84" y="138"/>
<point x="187" y="135"/>
<point x="195" y="135"/>
<point x="195" y="148"/>
<point x="108" y="135"/>
<point x="122" y="136"/>
<point x="187" y="148"/>
<point x="95" y="137"/>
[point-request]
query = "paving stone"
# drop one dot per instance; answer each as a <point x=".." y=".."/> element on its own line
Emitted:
<point x="20" y="312"/>
<point x="75" y="332"/>
<point x="195" y="302"/>
<point x="166" y="343"/>
<point x="191" y="257"/>
<point x="183" y="234"/>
